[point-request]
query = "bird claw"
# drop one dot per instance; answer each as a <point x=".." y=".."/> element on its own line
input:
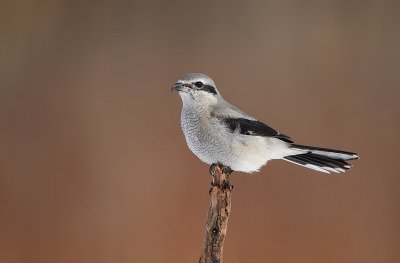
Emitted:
<point x="227" y="170"/>
<point x="213" y="167"/>
<point x="224" y="169"/>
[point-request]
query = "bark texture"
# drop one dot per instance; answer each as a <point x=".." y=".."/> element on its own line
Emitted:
<point x="218" y="215"/>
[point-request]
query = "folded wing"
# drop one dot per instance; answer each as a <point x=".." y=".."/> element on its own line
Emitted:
<point x="253" y="128"/>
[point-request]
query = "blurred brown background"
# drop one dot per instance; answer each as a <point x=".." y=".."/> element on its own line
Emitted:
<point x="94" y="166"/>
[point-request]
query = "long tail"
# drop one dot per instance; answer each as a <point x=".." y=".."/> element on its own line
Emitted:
<point x="321" y="159"/>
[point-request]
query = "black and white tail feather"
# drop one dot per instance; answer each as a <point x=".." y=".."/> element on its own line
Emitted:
<point x="321" y="159"/>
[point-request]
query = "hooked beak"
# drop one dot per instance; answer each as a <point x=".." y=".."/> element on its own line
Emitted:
<point x="181" y="87"/>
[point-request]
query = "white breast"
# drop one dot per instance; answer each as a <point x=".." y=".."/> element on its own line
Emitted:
<point x="210" y="140"/>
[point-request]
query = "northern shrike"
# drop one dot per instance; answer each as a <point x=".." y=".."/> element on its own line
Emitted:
<point x="219" y="133"/>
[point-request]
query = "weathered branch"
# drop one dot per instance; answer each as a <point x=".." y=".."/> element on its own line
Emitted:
<point x="218" y="215"/>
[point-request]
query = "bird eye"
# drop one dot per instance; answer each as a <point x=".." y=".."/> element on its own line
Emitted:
<point x="198" y="84"/>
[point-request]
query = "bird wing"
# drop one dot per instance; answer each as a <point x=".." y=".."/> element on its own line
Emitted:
<point x="239" y="122"/>
<point x="253" y="128"/>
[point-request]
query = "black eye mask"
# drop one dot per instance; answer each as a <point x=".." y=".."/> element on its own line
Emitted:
<point x="208" y="88"/>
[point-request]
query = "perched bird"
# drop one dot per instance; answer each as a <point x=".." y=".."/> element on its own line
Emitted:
<point x="219" y="133"/>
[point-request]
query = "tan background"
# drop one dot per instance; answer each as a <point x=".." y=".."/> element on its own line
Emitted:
<point x="93" y="164"/>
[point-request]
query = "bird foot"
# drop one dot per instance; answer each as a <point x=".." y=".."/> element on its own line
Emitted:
<point x="222" y="169"/>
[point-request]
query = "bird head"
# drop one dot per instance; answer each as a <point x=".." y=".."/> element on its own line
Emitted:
<point x="197" y="89"/>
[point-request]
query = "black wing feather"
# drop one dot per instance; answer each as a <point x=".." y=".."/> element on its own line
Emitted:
<point x="254" y="128"/>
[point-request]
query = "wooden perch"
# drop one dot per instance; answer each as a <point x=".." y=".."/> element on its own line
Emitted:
<point x="218" y="214"/>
